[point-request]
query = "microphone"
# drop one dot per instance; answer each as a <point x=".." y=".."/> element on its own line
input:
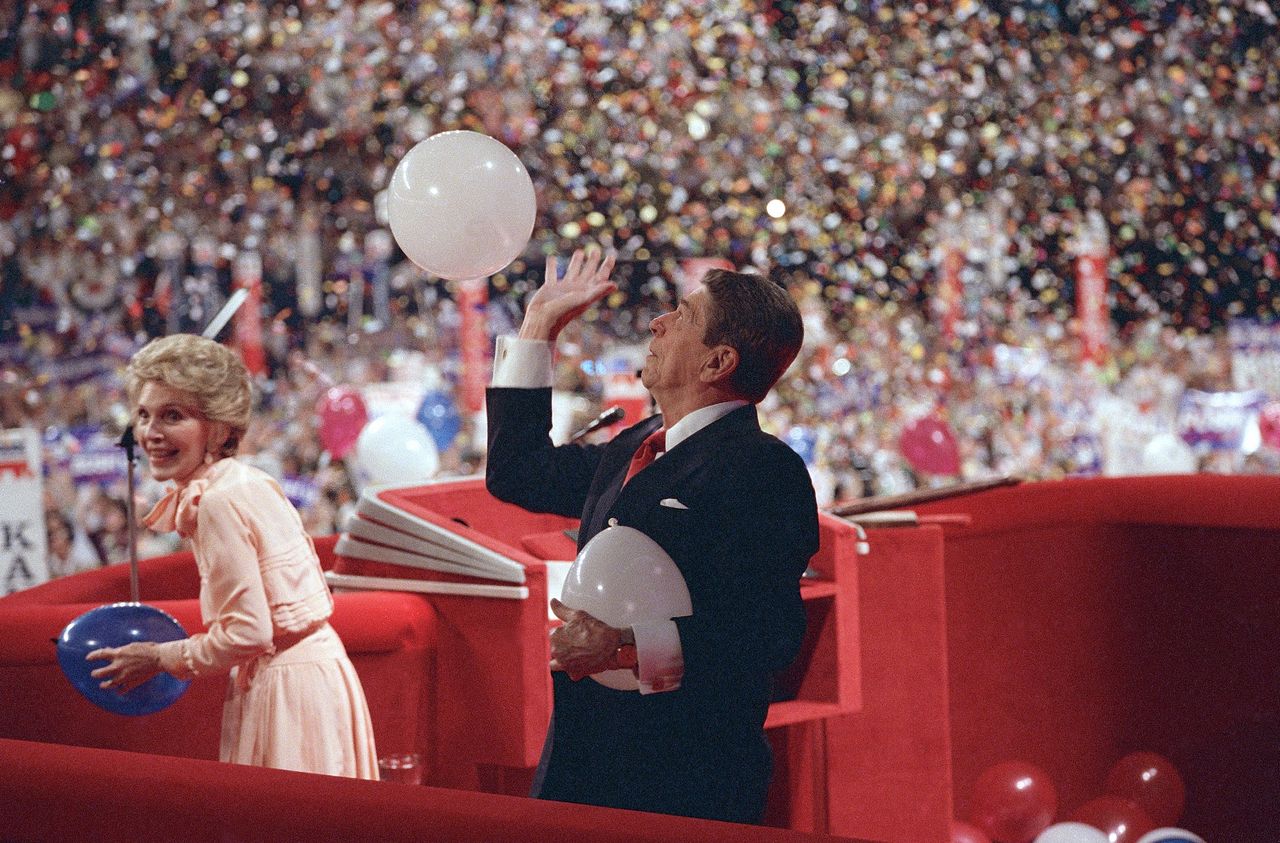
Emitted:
<point x="606" y="418"/>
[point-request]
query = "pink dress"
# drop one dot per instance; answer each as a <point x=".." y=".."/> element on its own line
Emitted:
<point x="294" y="701"/>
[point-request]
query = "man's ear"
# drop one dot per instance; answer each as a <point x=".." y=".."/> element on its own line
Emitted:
<point x="719" y="365"/>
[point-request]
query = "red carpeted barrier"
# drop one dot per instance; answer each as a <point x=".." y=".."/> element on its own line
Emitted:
<point x="390" y="637"/>
<point x="64" y="793"/>
<point x="1064" y="624"/>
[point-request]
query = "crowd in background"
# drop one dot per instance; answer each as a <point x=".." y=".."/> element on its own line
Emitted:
<point x="148" y="145"/>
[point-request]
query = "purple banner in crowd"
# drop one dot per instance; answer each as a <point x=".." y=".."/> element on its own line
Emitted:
<point x="1217" y="421"/>
<point x="96" y="457"/>
<point x="86" y="367"/>
<point x="302" y="492"/>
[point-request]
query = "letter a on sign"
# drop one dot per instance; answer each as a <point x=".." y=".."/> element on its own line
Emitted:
<point x="22" y="538"/>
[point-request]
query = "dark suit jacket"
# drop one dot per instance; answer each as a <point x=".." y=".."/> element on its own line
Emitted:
<point x="744" y="540"/>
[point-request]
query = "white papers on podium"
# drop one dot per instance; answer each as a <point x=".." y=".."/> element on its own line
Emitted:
<point x="379" y="531"/>
<point x="356" y="581"/>
<point x="354" y="548"/>
<point x="419" y="536"/>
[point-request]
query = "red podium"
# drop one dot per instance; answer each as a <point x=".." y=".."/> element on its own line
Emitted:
<point x="493" y="689"/>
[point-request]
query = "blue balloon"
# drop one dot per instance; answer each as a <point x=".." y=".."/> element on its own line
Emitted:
<point x="115" y="625"/>
<point x="439" y="415"/>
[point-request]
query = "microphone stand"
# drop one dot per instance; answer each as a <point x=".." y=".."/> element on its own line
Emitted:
<point x="128" y="442"/>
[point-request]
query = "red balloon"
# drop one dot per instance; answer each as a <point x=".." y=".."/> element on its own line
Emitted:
<point x="1122" y="820"/>
<point x="342" y="416"/>
<point x="1153" y="782"/>
<point x="929" y="446"/>
<point x="1013" y="801"/>
<point x="1269" y="424"/>
<point x="963" y="832"/>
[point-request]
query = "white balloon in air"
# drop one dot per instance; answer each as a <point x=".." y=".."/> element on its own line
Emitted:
<point x="1167" y="453"/>
<point x="394" y="448"/>
<point x="461" y="205"/>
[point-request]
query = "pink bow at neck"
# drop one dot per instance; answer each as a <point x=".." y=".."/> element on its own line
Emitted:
<point x="177" y="509"/>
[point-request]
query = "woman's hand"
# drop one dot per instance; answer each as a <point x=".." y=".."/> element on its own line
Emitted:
<point x="561" y="300"/>
<point x="130" y="666"/>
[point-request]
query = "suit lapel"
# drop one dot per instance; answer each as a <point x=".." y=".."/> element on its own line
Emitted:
<point x="608" y="480"/>
<point x="671" y="471"/>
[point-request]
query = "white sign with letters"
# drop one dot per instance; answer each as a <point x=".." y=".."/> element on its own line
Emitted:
<point x="22" y="534"/>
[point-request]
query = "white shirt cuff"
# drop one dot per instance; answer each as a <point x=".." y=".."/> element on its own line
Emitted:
<point x="659" y="657"/>
<point x="523" y="364"/>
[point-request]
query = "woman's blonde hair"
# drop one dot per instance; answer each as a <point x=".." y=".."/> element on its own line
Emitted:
<point x="213" y="374"/>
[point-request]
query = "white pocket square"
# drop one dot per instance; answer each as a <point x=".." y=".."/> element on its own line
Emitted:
<point x="672" y="503"/>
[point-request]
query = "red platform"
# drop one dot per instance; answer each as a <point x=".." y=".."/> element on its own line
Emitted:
<point x="1067" y="624"/>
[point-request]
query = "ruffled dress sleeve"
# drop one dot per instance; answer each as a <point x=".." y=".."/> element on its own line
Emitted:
<point x="233" y="600"/>
<point x="259" y="571"/>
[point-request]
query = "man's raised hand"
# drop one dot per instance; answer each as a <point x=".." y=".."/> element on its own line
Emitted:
<point x="560" y="300"/>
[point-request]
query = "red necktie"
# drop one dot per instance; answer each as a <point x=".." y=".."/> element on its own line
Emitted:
<point x="648" y="451"/>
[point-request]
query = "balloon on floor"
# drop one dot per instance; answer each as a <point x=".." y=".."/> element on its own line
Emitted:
<point x="1170" y="835"/>
<point x="1121" y="820"/>
<point x="1153" y="782"/>
<point x="1071" y="832"/>
<point x="1013" y="801"/>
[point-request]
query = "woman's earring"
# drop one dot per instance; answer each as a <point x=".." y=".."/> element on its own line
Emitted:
<point x="208" y="457"/>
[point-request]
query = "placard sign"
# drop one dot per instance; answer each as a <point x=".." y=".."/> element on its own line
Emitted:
<point x="22" y="535"/>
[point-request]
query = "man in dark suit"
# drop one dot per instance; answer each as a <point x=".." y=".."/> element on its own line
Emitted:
<point x="731" y="505"/>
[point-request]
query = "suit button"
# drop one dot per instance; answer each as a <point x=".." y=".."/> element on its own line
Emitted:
<point x="613" y="522"/>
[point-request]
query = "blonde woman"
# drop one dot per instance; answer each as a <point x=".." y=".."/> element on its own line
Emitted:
<point x="294" y="700"/>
